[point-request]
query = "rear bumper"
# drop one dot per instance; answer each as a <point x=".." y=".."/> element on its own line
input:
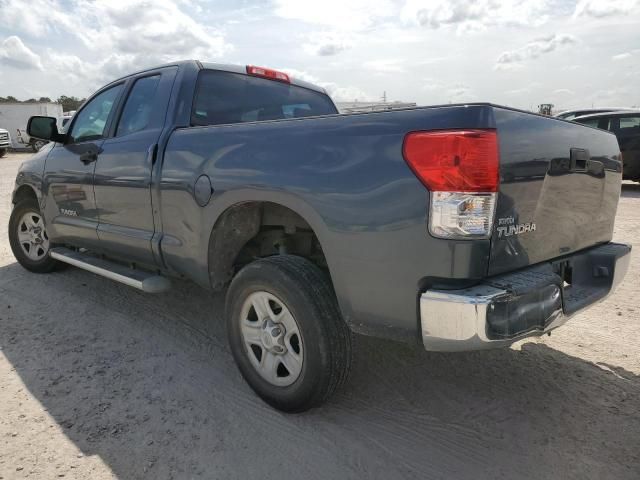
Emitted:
<point x="530" y="302"/>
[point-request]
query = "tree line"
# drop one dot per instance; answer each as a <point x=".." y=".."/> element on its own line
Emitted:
<point x="68" y="103"/>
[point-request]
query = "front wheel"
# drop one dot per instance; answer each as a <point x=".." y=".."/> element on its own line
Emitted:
<point x="286" y="332"/>
<point x="28" y="237"/>
<point x="3" y="152"/>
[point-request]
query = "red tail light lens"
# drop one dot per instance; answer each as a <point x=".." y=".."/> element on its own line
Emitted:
<point x="268" y="73"/>
<point x="454" y="160"/>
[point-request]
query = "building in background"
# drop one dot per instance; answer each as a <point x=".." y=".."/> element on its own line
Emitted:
<point x="361" y="107"/>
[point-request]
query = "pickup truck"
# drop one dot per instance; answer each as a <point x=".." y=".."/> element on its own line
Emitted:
<point x="625" y="125"/>
<point x="5" y="142"/>
<point x="454" y="227"/>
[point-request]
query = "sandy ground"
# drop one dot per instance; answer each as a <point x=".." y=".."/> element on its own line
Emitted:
<point x="100" y="381"/>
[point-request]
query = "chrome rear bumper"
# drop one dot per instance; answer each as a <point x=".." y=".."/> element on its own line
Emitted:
<point x="457" y="320"/>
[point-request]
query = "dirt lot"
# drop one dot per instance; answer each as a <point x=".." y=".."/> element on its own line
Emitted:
<point x="100" y="381"/>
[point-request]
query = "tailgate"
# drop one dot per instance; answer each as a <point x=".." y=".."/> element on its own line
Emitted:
<point x="559" y="189"/>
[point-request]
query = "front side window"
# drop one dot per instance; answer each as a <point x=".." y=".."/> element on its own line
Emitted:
<point x="91" y="121"/>
<point x="139" y="106"/>
<point x="224" y="97"/>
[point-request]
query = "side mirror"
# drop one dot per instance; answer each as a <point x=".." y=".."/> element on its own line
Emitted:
<point x="44" y="128"/>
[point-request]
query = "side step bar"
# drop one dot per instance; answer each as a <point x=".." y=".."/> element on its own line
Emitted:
<point x="145" y="281"/>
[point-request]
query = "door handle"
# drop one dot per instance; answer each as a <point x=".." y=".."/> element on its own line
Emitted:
<point x="579" y="159"/>
<point x="88" y="157"/>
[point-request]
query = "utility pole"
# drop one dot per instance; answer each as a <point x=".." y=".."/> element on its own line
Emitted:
<point x="384" y="96"/>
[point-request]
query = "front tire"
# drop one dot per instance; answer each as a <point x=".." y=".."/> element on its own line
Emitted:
<point x="3" y="152"/>
<point x="28" y="237"/>
<point x="286" y="332"/>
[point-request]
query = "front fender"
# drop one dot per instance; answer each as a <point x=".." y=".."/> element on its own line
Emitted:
<point x="30" y="174"/>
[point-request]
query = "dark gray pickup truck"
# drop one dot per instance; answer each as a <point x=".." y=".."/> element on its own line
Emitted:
<point x="457" y="227"/>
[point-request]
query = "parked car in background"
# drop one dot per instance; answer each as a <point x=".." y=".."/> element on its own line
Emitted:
<point x="24" y="140"/>
<point x="626" y="127"/>
<point x="15" y="115"/>
<point x="5" y="142"/>
<point x="66" y="117"/>
<point x="571" y="114"/>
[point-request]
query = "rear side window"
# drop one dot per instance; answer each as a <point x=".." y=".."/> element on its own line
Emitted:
<point x="224" y="97"/>
<point x="629" y="125"/>
<point x="592" y="122"/>
<point x="139" y="107"/>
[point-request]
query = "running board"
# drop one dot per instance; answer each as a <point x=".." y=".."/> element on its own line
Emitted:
<point x="145" y="281"/>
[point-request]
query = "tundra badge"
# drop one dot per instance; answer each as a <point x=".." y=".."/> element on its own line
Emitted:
<point x="508" y="227"/>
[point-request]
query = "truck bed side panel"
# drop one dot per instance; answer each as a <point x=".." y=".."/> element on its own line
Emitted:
<point x="346" y="176"/>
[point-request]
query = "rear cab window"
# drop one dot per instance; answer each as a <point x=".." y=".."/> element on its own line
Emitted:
<point x="629" y="125"/>
<point x="225" y="97"/>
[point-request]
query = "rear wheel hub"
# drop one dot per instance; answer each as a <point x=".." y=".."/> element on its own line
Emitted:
<point x="272" y="338"/>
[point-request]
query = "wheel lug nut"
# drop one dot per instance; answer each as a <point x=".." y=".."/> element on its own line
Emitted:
<point x="275" y="332"/>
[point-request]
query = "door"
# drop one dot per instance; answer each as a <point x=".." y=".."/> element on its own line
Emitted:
<point x="123" y="173"/>
<point x="69" y="204"/>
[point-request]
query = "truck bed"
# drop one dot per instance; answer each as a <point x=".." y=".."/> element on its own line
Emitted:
<point x="346" y="175"/>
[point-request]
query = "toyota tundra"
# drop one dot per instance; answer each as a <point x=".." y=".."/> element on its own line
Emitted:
<point x="455" y="227"/>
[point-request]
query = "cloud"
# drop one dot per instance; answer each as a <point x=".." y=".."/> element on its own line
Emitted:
<point x="518" y="91"/>
<point x="563" y="91"/>
<point x="327" y="49"/>
<point x="351" y="15"/>
<point x="357" y="48"/>
<point x="327" y="43"/>
<point x="473" y="16"/>
<point x="460" y="93"/>
<point x="159" y="28"/>
<point x="385" y="66"/>
<point x="97" y="42"/>
<point x="431" y="85"/>
<point x="16" y="54"/>
<point x="605" y="8"/>
<point x="38" y="19"/>
<point x="121" y="36"/>
<point x="621" y="56"/>
<point x="534" y="49"/>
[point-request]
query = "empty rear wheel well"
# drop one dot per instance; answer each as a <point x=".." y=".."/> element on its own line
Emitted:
<point x="253" y="230"/>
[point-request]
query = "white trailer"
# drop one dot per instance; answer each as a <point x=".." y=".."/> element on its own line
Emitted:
<point x="14" y="118"/>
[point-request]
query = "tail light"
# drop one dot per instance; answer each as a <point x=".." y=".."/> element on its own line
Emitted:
<point x="268" y="73"/>
<point x="460" y="168"/>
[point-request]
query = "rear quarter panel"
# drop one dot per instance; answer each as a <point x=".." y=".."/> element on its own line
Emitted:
<point x="346" y="176"/>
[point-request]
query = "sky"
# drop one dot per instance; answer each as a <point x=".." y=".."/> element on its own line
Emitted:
<point x="572" y="53"/>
